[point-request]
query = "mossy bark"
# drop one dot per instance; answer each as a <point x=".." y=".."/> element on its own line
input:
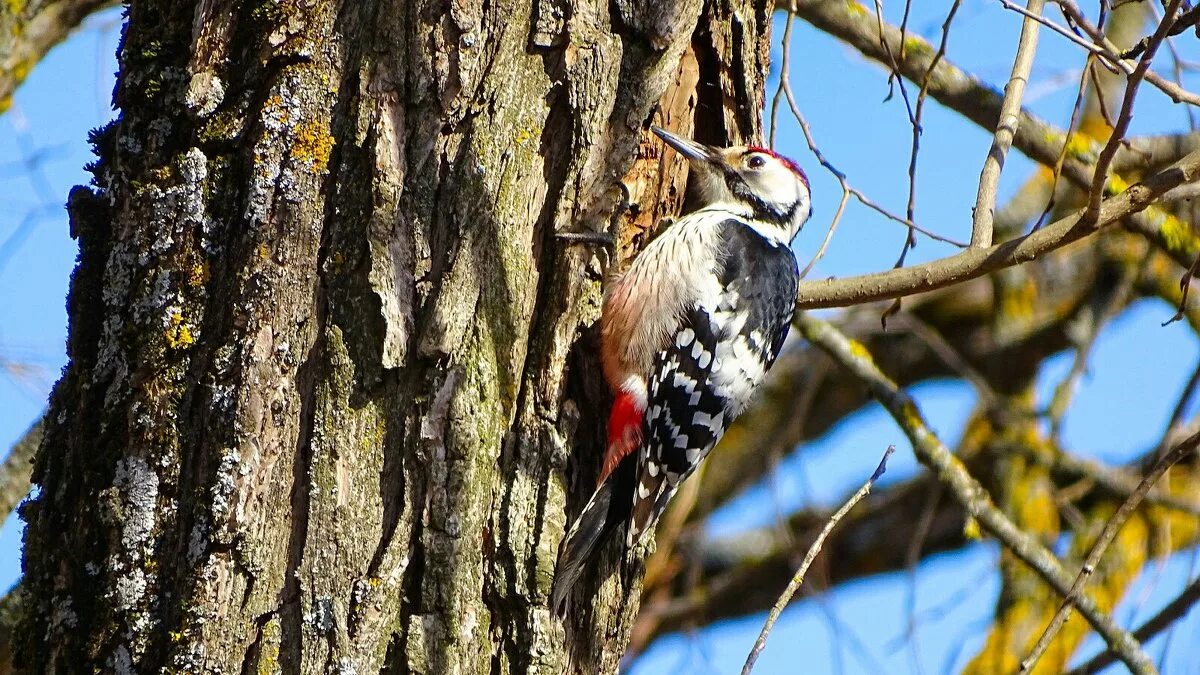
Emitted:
<point x="332" y="396"/>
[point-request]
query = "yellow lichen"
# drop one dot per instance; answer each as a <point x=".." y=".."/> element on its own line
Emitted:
<point x="21" y="70"/>
<point x="198" y="274"/>
<point x="914" y="46"/>
<point x="1020" y="299"/>
<point x="313" y="144"/>
<point x="178" y="334"/>
<point x="856" y="8"/>
<point x="1081" y="146"/>
<point x="1178" y="236"/>
<point x="860" y="351"/>
<point x="971" y="529"/>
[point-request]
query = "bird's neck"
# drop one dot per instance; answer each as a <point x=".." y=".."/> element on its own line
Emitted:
<point x="769" y="229"/>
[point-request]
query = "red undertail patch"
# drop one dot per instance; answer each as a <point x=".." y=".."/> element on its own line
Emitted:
<point x="624" y="432"/>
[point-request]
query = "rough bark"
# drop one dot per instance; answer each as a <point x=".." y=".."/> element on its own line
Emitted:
<point x="328" y="360"/>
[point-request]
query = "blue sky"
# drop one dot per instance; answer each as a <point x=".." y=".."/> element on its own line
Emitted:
<point x="1139" y="366"/>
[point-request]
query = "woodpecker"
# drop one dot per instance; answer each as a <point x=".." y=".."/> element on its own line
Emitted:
<point x="687" y="334"/>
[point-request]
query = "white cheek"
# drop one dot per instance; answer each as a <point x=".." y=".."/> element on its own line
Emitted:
<point x="781" y="188"/>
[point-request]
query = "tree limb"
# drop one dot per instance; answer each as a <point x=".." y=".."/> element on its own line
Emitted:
<point x="1174" y="610"/>
<point x="1006" y="128"/>
<point x="931" y="452"/>
<point x="15" y="470"/>
<point x="976" y="262"/>
<point x="27" y="32"/>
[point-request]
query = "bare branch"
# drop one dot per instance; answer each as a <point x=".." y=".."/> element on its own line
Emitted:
<point x="1091" y="47"/>
<point x="961" y="92"/>
<point x="965" y="489"/>
<point x="1111" y="54"/>
<point x="794" y="585"/>
<point x="1006" y="127"/>
<point x="29" y="29"/>
<point x="1185" y="21"/>
<point x="976" y="262"/>
<point x="916" y="122"/>
<point x="1100" y="173"/>
<point x="15" y="470"/>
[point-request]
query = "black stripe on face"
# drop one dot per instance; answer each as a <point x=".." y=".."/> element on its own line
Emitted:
<point x="762" y="209"/>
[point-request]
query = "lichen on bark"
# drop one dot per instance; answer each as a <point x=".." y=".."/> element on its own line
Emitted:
<point x="331" y="400"/>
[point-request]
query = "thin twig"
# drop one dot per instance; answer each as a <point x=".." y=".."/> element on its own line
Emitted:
<point x="1111" y="528"/>
<point x="837" y="218"/>
<point x="1100" y="173"/>
<point x="1090" y="46"/>
<point x="912" y="558"/>
<point x="1181" y="405"/>
<point x="1006" y="127"/>
<point x="967" y="95"/>
<point x="784" y="72"/>
<point x="1185" y="285"/>
<point x="917" y="130"/>
<point x="798" y="578"/>
<point x="1184" y="22"/>
<point x="1111" y="54"/>
<point x="894" y="76"/>
<point x="841" y="177"/>
<point x="1056" y="173"/>
<point x="976" y="262"/>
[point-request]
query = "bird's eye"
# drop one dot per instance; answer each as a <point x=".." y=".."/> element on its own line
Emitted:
<point x="756" y="162"/>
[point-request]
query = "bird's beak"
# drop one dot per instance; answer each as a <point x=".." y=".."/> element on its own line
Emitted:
<point x="690" y="149"/>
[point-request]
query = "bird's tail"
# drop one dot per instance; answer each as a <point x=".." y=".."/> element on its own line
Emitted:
<point x="609" y="508"/>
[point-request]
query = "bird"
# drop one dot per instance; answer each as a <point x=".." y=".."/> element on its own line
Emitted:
<point x="687" y="334"/>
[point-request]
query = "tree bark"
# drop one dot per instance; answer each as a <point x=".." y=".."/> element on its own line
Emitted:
<point x="328" y="360"/>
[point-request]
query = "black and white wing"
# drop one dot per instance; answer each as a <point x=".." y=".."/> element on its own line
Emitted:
<point x="708" y="372"/>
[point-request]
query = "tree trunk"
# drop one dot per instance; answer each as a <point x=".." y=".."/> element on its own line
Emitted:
<point x="332" y="396"/>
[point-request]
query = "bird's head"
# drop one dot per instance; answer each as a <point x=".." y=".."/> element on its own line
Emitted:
<point x="766" y="186"/>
